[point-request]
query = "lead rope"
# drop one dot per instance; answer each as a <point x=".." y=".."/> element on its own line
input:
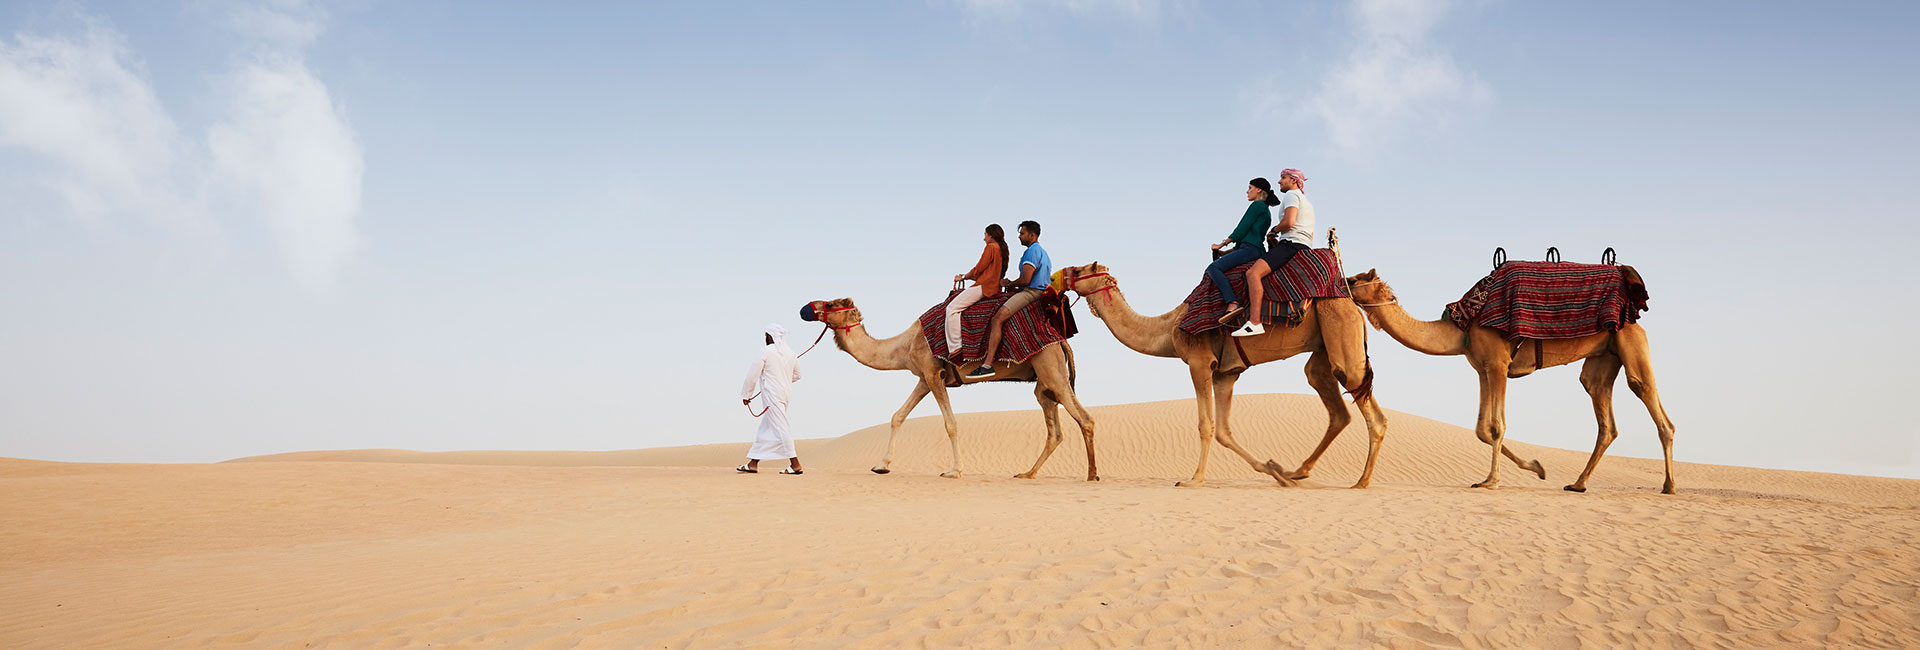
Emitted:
<point x="816" y="341"/>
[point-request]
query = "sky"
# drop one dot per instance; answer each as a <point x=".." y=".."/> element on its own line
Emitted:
<point x="240" y="228"/>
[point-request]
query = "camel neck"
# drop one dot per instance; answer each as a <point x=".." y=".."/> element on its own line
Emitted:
<point x="1438" y="338"/>
<point x="879" y="354"/>
<point x="1150" y="335"/>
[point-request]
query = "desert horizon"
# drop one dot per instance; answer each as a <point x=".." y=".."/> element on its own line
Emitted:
<point x="670" y="548"/>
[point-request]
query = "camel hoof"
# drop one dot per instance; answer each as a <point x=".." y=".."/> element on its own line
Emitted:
<point x="1538" y="469"/>
<point x="950" y="475"/>
<point x="1027" y="475"/>
<point x="1093" y="478"/>
<point x="1574" y="488"/>
<point x="1358" y="486"/>
<point x="881" y="470"/>
<point x="1487" y="485"/>
<point x="1668" y="489"/>
<point x="1188" y="483"/>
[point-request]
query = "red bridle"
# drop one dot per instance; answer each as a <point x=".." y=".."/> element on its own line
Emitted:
<point x="823" y="320"/>
<point x="1076" y="279"/>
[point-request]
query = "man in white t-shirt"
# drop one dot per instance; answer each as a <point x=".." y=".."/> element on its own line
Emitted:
<point x="1294" y="227"/>
<point x="1300" y="229"/>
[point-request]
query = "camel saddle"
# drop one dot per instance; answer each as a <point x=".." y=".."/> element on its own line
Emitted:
<point x="1314" y="273"/>
<point x="1042" y="323"/>
<point x="1552" y="300"/>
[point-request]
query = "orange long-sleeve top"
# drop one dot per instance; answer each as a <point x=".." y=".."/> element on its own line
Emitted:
<point x="988" y="272"/>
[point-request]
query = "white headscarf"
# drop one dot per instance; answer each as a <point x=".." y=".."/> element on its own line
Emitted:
<point x="779" y="335"/>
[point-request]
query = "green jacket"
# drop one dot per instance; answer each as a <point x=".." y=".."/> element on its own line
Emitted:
<point x="1252" y="230"/>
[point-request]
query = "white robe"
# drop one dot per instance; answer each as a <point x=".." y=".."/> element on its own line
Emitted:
<point x="772" y="377"/>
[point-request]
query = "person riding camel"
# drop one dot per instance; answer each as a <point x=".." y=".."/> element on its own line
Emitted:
<point x="1036" y="272"/>
<point x="986" y="275"/>
<point x="1295" y="232"/>
<point x="1248" y="238"/>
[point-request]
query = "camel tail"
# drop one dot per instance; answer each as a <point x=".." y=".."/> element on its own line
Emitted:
<point x="1073" y="369"/>
<point x="1365" y="389"/>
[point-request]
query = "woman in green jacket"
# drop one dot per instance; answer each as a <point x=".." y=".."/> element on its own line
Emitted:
<point x="1249" y="239"/>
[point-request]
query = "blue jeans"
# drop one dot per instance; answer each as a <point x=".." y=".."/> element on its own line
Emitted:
<point x="1242" y="254"/>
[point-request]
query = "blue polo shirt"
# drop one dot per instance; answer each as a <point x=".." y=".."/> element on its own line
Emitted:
<point x="1036" y="257"/>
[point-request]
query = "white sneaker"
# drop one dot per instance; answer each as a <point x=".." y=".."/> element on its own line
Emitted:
<point x="1251" y="329"/>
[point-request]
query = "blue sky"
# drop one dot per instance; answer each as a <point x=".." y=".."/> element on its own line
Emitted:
<point x="242" y="228"/>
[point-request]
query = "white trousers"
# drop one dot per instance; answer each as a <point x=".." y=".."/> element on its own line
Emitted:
<point x="960" y="303"/>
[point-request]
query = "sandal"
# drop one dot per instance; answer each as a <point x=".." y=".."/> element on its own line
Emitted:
<point x="1231" y="314"/>
<point x="791" y="471"/>
<point x="746" y="470"/>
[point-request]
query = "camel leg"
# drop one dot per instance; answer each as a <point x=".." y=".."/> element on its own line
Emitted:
<point x="920" y="391"/>
<point x="1597" y="376"/>
<point x="1350" y="367"/>
<point x="1051" y="413"/>
<point x="1492" y="427"/>
<point x="1056" y="379"/>
<point x="1376" y="433"/>
<point x="1222" y="419"/>
<point x="939" y="390"/>
<point x="1638" y="359"/>
<point x="1203" y="397"/>
<point x="1320" y="377"/>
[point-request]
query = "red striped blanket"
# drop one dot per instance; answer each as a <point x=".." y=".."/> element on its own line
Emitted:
<point x="1022" y="336"/>
<point x="1314" y="273"/>
<point x="1552" y="300"/>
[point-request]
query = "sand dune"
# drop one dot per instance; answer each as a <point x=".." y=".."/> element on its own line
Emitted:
<point x="665" y="548"/>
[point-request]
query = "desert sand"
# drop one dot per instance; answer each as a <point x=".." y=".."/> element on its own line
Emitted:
<point x="669" y="548"/>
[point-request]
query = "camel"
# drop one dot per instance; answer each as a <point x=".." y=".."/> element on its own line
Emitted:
<point x="1051" y="369"/>
<point x="1498" y="359"/>
<point x="1332" y="330"/>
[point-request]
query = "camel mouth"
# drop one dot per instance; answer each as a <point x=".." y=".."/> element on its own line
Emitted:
<point x="806" y="312"/>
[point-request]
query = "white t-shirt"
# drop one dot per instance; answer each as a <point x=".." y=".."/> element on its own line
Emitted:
<point x="1302" y="230"/>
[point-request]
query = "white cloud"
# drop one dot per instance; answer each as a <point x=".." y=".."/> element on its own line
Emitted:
<point x="84" y="104"/>
<point x="1391" y="82"/>
<point x="290" y="24"/>
<point x="284" y="152"/>
<point x="288" y="152"/>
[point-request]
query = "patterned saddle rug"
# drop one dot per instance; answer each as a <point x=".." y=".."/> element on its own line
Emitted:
<point x="1552" y="300"/>
<point x="1314" y="273"/>
<point x="1038" y="325"/>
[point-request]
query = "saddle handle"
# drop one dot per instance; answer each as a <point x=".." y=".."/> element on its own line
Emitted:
<point x="1553" y="254"/>
<point x="1499" y="256"/>
<point x="1607" y="257"/>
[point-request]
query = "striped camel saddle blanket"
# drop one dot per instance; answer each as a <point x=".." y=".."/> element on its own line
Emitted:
<point x="1553" y="300"/>
<point x="1314" y="273"/>
<point x="1044" y="322"/>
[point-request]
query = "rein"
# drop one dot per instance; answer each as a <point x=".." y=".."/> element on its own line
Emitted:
<point x="816" y="343"/>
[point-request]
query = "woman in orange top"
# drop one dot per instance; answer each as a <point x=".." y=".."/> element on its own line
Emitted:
<point x="986" y="276"/>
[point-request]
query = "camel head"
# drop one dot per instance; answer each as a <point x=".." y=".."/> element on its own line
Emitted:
<point x="838" y="314"/>
<point x="1083" y="279"/>
<point x="1370" y="291"/>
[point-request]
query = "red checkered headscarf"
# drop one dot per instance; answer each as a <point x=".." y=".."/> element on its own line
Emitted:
<point x="1298" y="178"/>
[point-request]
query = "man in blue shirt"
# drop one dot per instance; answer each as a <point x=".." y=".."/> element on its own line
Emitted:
<point x="1036" y="270"/>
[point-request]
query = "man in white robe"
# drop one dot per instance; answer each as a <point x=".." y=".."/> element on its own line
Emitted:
<point x="770" y="383"/>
